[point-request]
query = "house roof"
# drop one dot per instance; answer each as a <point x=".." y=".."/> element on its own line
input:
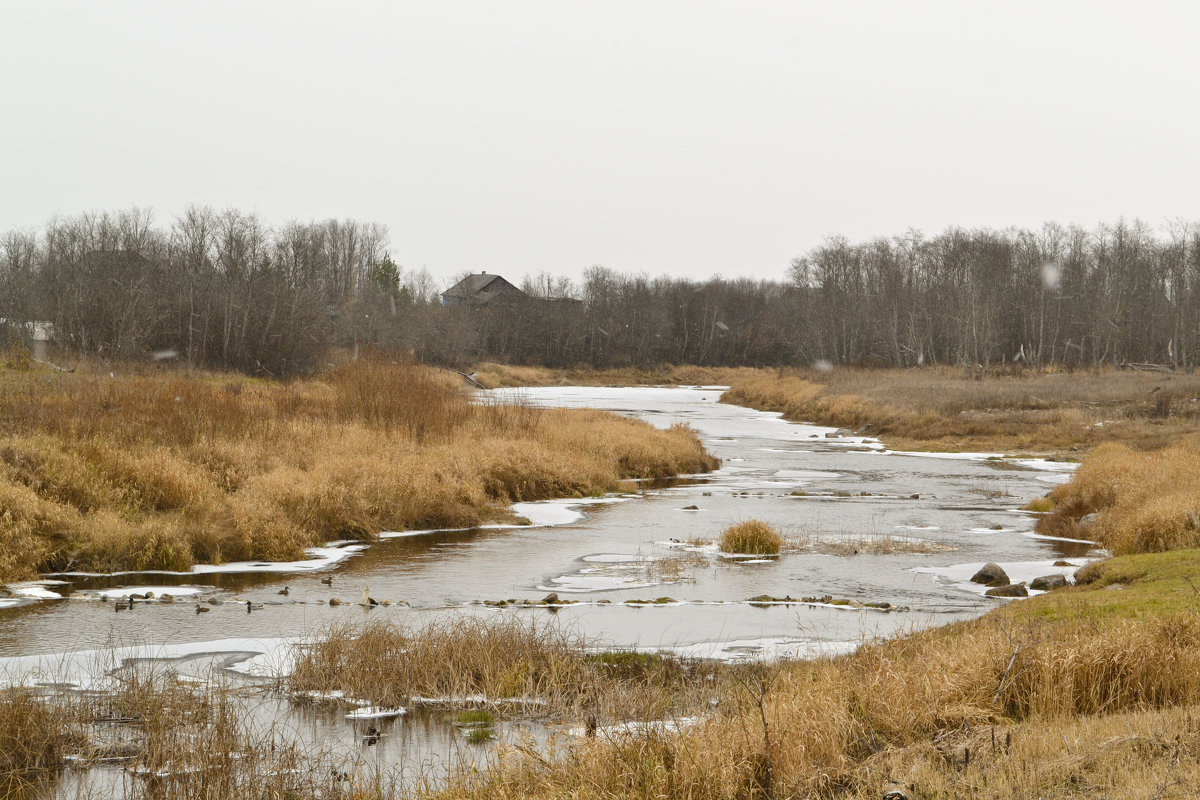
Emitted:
<point x="472" y="285"/>
<point x="481" y="289"/>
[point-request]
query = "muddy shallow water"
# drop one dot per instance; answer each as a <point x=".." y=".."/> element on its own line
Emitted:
<point x="825" y="492"/>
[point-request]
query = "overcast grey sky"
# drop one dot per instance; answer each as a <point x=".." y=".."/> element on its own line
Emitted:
<point x="690" y="138"/>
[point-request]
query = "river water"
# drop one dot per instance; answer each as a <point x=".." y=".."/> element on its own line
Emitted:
<point x="832" y="495"/>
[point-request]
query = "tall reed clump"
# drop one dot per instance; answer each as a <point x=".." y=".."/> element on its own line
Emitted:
<point x="170" y="738"/>
<point x="497" y="660"/>
<point x="103" y="472"/>
<point x="1144" y="502"/>
<point x="752" y="537"/>
<point x="35" y="734"/>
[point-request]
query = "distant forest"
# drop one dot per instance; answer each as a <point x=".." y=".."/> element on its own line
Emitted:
<point x="223" y="289"/>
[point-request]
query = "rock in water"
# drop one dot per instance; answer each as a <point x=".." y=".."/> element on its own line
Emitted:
<point x="550" y="598"/>
<point x="1048" y="582"/>
<point x="991" y="575"/>
<point x="1012" y="590"/>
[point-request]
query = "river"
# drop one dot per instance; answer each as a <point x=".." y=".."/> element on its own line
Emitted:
<point x="870" y="527"/>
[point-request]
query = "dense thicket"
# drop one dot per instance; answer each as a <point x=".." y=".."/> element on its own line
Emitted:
<point x="224" y="289"/>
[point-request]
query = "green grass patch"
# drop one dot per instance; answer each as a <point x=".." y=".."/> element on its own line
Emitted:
<point x="474" y="717"/>
<point x="1121" y="588"/>
<point x="480" y="735"/>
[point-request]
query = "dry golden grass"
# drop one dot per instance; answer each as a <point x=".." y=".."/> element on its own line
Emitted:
<point x="535" y="668"/>
<point x="752" y="537"/>
<point x="498" y="375"/>
<point x="1144" y="502"/>
<point x="34" y="736"/>
<point x="172" y="739"/>
<point x="161" y="471"/>
<point x="838" y="728"/>
<point x="942" y="408"/>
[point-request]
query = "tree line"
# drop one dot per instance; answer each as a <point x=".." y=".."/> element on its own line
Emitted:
<point x="224" y="289"/>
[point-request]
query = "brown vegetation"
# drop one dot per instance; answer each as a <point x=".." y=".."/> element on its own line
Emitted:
<point x="163" y="470"/>
<point x="173" y="739"/>
<point x="34" y="736"/>
<point x="1143" y="502"/>
<point x="498" y="375"/>
<point x="538" y="669"/>
<point x="948" y="409"/>
<point x="1006" y="687"/>
<point x="752" y="537"/>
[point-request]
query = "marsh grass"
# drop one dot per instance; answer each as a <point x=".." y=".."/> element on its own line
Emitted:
<point x="1143" y="502"/>
<point x="943" y="408"/>
<point x="905" y="709"/>
<point x="504" y="662"/>
<point x="751" y="537"/>
<point x="501" y="375"/>
<point x="164" y="470"/>
<point x="172" y="739"/>
<point x="35" y="734"/>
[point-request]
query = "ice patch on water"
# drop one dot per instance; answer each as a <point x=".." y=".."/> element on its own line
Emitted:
<point x="35" y="590"/>
<point x="618" y="558"/>
<point x="581" y="582"/>
<point x="805" y="473"/>
<point x="159" y="591"/>
<point x="1046" y="538"/>
<point x="93" y="669"/>
<point x="540" y="513"/>
<point x="765" y="649"/>
<point x="375" y="712"/>
<point x="320" y="558"/>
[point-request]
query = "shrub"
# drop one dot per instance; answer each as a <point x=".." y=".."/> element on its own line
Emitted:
<point x="752" y="537"/>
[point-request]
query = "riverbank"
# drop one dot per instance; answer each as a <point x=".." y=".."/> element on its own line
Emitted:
<point x="951" y="410"/>
<point x="107" y="471"/>
<point x="499" y="376"/>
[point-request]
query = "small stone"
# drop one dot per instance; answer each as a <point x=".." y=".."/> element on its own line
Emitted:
<point x="1063" y="564"/>
<point x="1012" y="590"/>
<point x="1048" y="582"/>
<point x="991" y="574"/>
<point x="914" y="497"/>
<point x="333" y="601"/>
<point x="690" y="508"/>
<point x="550" y="598"/>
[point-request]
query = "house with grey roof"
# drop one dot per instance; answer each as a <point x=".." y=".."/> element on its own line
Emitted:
<point x="480" y="290"/>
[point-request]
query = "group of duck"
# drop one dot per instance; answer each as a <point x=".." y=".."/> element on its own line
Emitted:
<point x="366" y="601"/>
